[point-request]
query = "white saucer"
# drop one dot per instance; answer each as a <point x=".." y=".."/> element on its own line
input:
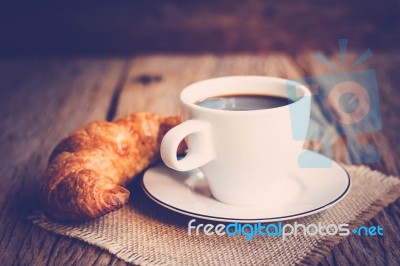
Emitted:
<point x="311" y="190"/>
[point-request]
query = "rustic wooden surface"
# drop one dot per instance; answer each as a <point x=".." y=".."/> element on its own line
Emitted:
<point x="42" y="100"/>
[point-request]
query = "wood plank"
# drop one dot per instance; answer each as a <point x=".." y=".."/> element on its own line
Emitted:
<point x="345" y="150"/>
<point x="361" y="250"/>
<point x="41" y="102"/>
<point x="64" y="94"/>
<point x="154" y="82"/>
<point x="358" y="249"/>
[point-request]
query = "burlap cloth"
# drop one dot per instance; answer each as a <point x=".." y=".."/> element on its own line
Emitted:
<point x="147" y="234"/>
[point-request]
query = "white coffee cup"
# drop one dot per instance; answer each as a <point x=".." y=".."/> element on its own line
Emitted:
<point x="243" y="154"/>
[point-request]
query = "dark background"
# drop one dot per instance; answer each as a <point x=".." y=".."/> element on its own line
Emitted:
<point x="123" y="28"/>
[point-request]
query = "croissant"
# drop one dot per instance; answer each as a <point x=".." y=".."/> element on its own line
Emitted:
<point x="87" y="170"/>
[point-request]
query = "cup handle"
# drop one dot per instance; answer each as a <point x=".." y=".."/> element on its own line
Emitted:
<point x="199" y="142"/>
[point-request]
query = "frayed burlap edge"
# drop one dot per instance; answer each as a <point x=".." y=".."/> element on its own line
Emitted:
<point x="325" y="245"/>
<point x="313" y="257"/>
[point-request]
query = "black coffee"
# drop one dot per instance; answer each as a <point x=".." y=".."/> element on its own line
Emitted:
<point x="244" y="102"/>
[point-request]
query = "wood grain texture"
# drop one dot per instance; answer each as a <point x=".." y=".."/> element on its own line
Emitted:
<point x="358" y="249"/>
<point x="42" y="100"/>
<point x="343" y="149"/>
<point x="154" y="82"/>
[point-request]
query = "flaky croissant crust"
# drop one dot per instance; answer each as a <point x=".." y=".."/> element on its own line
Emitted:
<point x="88" y="169"/>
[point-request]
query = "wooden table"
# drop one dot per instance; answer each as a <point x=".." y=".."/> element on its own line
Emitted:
<point x="44" y="99"/>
